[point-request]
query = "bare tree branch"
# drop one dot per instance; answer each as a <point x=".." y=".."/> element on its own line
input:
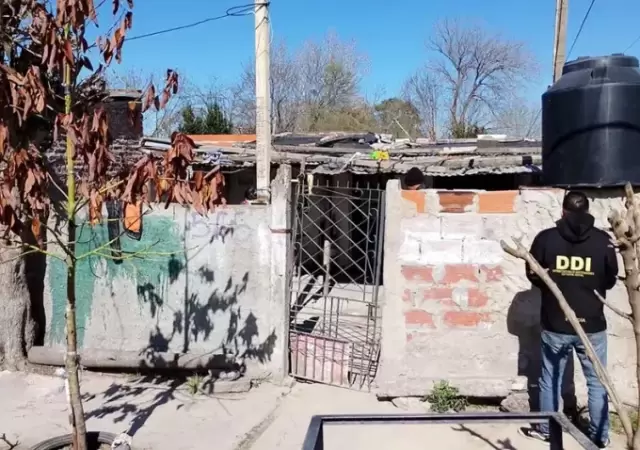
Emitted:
<point x="515" y="117"/>
<point x="475" y="71"/>
<point x="11" y="445"/>
<point x="422" y="90"/>
<point x="314" y="89"/>
<point x="615" y="309"/>
<point x="521" y="252"/>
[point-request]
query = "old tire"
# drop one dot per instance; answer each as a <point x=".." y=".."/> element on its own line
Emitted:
<point x="94" y="440"/>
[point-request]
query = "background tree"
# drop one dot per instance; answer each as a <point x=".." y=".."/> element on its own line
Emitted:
<point x="212" y="120"/>
<point x="423" y="91"/>
<point x="311" y="89"/>
<point x="475" y="71"/>
<point x="398" y="117"/>
<point x="466" y="130"/>
<point x="190" y="123"/>
<point x="518" y="118"/>
<point x="330" y="75"/>
<point x="284" y="85"/>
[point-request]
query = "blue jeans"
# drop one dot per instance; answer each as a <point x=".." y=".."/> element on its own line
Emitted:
<point x="556" y="349"/>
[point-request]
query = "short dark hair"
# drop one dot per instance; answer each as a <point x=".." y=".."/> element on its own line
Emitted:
<point x="575" y="201"/>
<point x="414" y="177"/>
<point x="251" y="194"/>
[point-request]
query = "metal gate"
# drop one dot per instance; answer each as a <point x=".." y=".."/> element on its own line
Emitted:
<point x="335" y="274"/>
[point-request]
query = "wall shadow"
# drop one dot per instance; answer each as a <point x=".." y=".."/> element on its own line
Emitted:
<point x="523" y="321"/>
<point x="193" y="323"/>
<point x="35" y="267"/>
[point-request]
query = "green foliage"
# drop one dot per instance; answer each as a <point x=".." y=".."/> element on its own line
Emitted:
<point x="212" y="121"/>
<point x="444" y="398"/>
<point x="466" y="131"/>
<point x="190" y="123"/>
<point x="616" y="423"/>
<point x="398" y="117"/>
<point x="194" y="384"/>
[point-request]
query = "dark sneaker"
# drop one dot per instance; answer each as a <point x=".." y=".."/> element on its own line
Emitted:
<point x="533" y="433"/>
<point x="604" y="444"/>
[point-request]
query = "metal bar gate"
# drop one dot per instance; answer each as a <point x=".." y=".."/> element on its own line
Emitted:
<point x="335" y="275"/>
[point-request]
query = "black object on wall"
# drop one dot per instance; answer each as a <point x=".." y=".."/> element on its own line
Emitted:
<point x="591" y="124"/>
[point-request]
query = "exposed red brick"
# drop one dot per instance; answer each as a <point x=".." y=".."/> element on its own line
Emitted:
<point x="407" y="297"/>
<point x="418" y="273"/>
<point x="460" y="272"/>
<point x="442" y="295"/>
<point x="456" y="201"/>
<point x="477" y="298"/>
<point x="417" y="197"/>
<point x="497" y="202"/>
<point x="419" y="317"/>
<point x="457" y="319"/>
<point x="492" y="273"/>
<point x="453" y="273"/>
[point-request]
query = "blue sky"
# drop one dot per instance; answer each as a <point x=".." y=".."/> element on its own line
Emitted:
<point x="392" y="33"/>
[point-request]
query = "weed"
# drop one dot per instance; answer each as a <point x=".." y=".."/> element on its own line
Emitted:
<point x="194" y="384"/>
<point x="616" y="424"/>
<point x="444" y="398"/>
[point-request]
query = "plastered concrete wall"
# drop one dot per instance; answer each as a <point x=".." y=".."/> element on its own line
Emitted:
<point x="201" y="286"/>
<point x="458" y="308"/>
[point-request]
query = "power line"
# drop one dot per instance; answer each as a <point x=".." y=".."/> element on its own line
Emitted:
<point x="584" y="20"/>
<point x="234" y="11"/>
<point x="635" y="41"/>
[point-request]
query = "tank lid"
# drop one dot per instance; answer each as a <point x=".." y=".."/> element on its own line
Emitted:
<point x="590" y="62"/>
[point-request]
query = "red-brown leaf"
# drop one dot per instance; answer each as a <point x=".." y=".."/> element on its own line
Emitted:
<point x="91" y="11"/>
<point x="148" y="97"/>
<point x="68" y="51"/>
<point x="4" y="132"/>
<point x="165" y="99"/>
<point x="87" y="63"/>
<point x="29" y="183"/>
<point x="35" y="229"/>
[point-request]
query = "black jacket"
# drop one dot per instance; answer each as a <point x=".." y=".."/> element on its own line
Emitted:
<point x="580" y="259"/>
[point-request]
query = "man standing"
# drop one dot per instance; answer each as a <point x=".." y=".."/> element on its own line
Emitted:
<point x="580" y="259"/>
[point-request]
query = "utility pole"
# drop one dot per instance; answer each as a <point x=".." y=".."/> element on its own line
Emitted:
<point x="560" y="38"/>
<point x="263" y="100"/>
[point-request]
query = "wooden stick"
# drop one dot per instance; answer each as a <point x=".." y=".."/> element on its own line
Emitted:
<point x="521" y="252"/>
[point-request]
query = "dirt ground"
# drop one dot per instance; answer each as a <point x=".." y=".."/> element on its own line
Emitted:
<point x="164" y="415"/>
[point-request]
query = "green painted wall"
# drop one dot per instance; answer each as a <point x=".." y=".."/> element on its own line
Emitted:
<point x="151" y="274"/>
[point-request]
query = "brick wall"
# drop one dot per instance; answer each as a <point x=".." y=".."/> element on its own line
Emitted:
<point x="126" y="140"/>
<point x="456" y="306"/>
<point x="449" y="269"/>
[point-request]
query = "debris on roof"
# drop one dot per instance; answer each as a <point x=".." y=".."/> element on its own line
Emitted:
<point x="366" y="153"/>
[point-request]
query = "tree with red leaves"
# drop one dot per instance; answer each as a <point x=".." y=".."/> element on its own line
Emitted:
<point x="47" y="82"/>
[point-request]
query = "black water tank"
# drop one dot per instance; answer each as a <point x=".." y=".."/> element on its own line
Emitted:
<point x="591" y="123"/>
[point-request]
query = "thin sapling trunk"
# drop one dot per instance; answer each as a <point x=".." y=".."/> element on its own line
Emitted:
<point x="78" y="426"/>
<point x="626" y="229"/>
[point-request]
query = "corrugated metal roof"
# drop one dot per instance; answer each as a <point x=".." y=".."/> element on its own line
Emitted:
<point x="442" y="158"/>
